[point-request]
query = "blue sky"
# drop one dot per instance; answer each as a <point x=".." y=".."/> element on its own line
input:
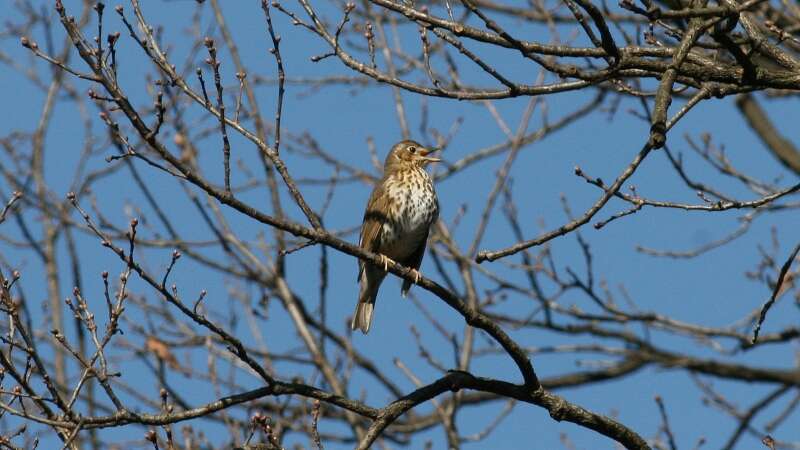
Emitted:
<point x="710" y="290"/>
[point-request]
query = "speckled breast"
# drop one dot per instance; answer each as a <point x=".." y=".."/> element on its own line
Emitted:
<point x="414" y="209"/>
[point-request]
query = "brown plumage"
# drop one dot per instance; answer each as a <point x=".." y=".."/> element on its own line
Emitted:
<point x="399" y="214"/>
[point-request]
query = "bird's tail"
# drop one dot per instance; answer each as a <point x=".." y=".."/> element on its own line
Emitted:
<point x="362" y="317"/>
<point x="368" y="293"/>
<point x="404" y="290"/>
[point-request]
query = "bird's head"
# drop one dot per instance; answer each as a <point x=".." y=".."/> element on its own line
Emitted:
<point x="409" y="153"/>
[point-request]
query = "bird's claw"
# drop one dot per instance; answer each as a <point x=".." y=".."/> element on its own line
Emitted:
<point x="386" y="260"/>
<point x="417" y="275"/>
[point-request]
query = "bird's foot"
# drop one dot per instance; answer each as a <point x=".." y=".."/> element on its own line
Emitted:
<point x="417" y="275"/>
<point x="386" y="260"/>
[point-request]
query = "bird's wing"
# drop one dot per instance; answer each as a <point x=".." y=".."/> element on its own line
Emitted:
<point x="374" y="218"/>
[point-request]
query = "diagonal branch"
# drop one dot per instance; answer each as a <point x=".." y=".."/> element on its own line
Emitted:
<point x="575" y="224"/>
<point x="782" y="148"/>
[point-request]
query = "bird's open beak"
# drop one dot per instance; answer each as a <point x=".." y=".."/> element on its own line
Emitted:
<point x="425" y="152"/>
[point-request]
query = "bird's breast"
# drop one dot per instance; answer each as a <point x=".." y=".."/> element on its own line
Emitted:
<point x="413" y="207"/>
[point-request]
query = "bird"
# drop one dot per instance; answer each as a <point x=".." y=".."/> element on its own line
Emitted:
<point x="397" y="220"/>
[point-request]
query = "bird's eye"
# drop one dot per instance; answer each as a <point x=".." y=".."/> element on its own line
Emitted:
<point x="412" y="149"/>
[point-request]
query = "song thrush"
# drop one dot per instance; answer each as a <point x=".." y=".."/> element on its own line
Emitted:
<point x="399" y="214"/>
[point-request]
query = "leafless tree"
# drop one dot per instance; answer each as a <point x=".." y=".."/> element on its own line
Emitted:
<point x="184" y="166"/>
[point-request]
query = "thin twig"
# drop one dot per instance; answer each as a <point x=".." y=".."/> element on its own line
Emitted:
<point x="775" y="291"/>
